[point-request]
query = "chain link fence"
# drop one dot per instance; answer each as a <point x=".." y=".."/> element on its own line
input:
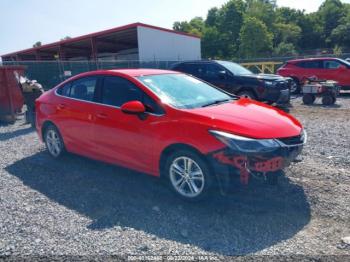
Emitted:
<point x="51" y="73"/>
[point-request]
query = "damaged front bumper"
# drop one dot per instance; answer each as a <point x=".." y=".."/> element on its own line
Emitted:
<point x="229" y="161"/>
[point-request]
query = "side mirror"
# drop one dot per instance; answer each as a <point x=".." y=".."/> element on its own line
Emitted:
<point x="133" y="108"/>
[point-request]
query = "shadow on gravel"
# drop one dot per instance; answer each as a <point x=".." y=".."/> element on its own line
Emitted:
<point x="247" y="221"/>
<point x="18" y="132"/>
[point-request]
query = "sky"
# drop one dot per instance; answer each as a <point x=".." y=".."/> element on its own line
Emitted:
<point x="24" y="22"/>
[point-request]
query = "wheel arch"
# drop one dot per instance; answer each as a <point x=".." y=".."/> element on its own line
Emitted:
<point x="175" y="147"/>
<point x="45" y="125"/>
<point x="249" y="89"/>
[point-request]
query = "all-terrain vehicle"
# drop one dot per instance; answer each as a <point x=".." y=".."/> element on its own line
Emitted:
<point x="313" y="88"/>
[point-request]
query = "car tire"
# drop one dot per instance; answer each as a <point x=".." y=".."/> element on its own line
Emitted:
<point x="247" y="94"/>
<point x="189" y="176"/>
<point x="309" y="99"/>
<point x="295" y="87"/>
<point x="54" y="142"/>
<point x="327" y="100"/>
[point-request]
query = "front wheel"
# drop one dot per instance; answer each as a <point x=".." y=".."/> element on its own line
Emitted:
<point x="189" y="175"/>
<point x="295" y="87"/>
<point x="54" y="142"/>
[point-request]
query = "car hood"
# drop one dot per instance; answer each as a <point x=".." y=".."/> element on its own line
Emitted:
<point x="248" y="118"/>
<point x="265" y="77"/>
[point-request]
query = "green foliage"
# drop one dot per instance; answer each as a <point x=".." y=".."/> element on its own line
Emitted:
<point x="255" y="39"/>
<point x="285" y="49"/>
<point x="261" y="10"/>
<point x="37" y="44"/>
<point x="288" y="33"/>
<point x="256" y="28"/>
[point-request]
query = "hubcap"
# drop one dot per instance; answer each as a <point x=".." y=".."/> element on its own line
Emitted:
<point x="53" y="143"/>
<point x="187" y="177"/>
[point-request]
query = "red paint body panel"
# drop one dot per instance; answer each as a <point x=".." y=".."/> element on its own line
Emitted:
<point x="11" y="98"/>
<point x="106" y="133"/>
<point x="292" y="69"/>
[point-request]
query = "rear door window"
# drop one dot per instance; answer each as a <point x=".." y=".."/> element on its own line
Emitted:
<point x="311" y="64"/>
<point x="64" y="90"/>
<point x="84" y="89"/>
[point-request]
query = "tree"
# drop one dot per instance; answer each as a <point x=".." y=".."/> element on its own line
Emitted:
<point x="65" y="38"/>
<point x="196" y="26"/>
<point x="285" y="49"/>
<point x="287" y="33"/>
<point x="341" y="35"/>
<point x="212" y="17"/>
<point x="330" y="13"/>
<point x="255" y="39"/>
<point x="37" y="44"/>
<point x="263" y="10"/>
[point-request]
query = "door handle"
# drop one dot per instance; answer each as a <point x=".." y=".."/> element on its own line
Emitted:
<point x="101" y="116"/>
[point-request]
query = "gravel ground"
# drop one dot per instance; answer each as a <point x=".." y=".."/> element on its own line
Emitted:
<point x="76" y="206"/>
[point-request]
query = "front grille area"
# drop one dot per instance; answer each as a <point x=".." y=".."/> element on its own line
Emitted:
<point x="291" y="141"/>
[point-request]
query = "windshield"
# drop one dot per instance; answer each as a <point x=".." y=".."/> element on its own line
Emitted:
<point x="183" y="91"/>
<point x="234" y="68"/>
<point x="345" y="62"/>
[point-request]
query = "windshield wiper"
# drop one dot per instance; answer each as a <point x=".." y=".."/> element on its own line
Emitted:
<point x="217" y="102"/>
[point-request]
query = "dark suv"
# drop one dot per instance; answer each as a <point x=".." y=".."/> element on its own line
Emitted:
<point x="238" y="80"/>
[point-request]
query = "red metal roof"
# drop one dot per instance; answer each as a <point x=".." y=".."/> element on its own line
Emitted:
<point x="100" y="33"/>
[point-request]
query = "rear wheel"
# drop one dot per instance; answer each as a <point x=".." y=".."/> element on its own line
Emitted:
<point x="247" y="94"/>
<point x="54" y="142"/>
<point x="328" y="100"/>
<point x="189" y="176"/>
<point x="309" y="99"/>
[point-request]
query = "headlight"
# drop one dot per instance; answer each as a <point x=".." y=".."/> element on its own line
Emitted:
<point x="245" y="144"/>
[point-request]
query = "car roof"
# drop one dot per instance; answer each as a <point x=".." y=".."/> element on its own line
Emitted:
<point x="142" y="72"/>
<point x="130" y="72"/>
<point x="312" y="59"/>
<point x="197" y="62"/>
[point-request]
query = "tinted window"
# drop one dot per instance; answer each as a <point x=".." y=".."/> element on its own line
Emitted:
<point x="331" y="64"/>
<point x="310" y="64"/>
<point x="212" y="71"/>
<point x="235" y="69"/>
<point x="64" y="90"/>
<point x="117" y="91"/>
<point x="192" y="69"/>
<point x="84" y="89"/>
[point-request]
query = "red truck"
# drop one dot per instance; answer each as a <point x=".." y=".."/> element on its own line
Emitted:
<point x="325" y="68"/>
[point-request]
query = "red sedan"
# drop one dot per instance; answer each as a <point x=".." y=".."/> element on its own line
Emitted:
<point x="170" y="125"/>
<point x="322" y="68"/>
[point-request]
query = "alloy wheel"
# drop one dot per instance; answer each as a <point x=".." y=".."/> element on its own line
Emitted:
<point x="53" y="142"/>
<point x="187" y="177"/>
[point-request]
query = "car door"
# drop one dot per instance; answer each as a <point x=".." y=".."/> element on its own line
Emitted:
<point x="75" y="110"/>
<point x="334" y="70"/>
<point x="215" y="75"/>
<point x="123" y="138"/>
<point x="312" y="68"/>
